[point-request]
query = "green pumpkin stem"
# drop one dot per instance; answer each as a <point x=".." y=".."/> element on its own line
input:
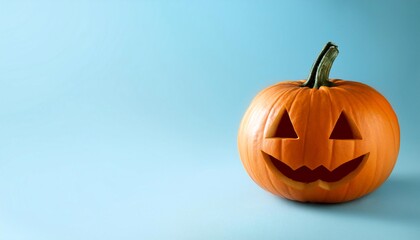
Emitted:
<point x="320" y="71"/>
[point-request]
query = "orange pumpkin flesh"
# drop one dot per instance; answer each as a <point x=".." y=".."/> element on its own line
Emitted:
<point x="320" y="141"/>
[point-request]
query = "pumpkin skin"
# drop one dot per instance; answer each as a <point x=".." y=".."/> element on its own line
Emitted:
<point x="292" y="141"/>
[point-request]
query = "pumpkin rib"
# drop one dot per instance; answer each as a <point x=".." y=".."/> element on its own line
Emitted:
<point x="349" y="186"/>
<point x="373" y="181"/>
<point x="246" y="164"/>
<point x="389" y="121"/>
<point x="358" y="96"/>
<point x="390" y="114"/>
<point x="246" y="120"/>
<point x="332" y="142"/>
<point x="292" y="103"/>
<point x="306" y="126"/>
<point x="297" y="122"/>
<point x="243" y="125"/>
<point x="298" y="90"/>
<point x="251" y="152"/>
<point x="269" y="178"/>
<point x="265" y="122"/>
<point x="290" y="192"/>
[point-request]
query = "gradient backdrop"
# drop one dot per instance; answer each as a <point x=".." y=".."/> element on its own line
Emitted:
<point x="118" y="119"/>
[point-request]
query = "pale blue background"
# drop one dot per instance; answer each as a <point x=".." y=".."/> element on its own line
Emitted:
<point x="118" y="119"/>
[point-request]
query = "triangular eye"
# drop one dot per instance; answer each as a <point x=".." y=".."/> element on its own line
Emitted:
<point x="345" y="129"/>
<point x="285" y="127"/>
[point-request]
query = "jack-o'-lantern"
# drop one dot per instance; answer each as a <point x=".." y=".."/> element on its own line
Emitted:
<point x="319" y="140"/>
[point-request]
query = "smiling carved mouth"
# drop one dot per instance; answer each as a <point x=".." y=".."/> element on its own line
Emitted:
<point x="306" y="175"/>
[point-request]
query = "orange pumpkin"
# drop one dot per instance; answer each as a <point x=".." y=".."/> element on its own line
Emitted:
<point x="319" y="140"/>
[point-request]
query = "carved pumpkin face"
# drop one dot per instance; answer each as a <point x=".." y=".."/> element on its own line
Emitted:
<point x="331" y="144"/>
<point x="315" y="171"/>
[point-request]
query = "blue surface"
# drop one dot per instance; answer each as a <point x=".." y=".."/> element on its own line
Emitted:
<point x="118" y="119"/>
